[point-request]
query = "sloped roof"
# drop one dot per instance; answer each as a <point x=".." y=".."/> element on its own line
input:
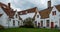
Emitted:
<point x="20" y="18"/>
<point x="0" y="15"/>
<point x="58" y="7"/>
<point x="34" y="15"/>
<point x="2" y="4"/>
<point x="7" y="10"/>
<point x="45" y="13"/>
<point x="31" y="10"/>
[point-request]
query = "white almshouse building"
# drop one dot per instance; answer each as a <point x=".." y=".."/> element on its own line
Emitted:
<point x="49" y="17"/>
<point x="9" y="17"/>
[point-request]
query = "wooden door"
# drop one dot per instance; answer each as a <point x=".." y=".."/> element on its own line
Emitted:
<point x="52" y="24"/>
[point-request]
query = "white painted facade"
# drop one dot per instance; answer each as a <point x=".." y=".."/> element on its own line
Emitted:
<point x="3" y="18"/>
<point x="7" y="22"/>
<point x="37" y="18"/>
<point x="54" y="18"/>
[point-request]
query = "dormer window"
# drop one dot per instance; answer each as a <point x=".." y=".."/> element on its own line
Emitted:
<point x="37" y="16"/>
<point x="4" y="6"/>
<point x="21" y="13"/>
<point x="16" y="15"/>
<point x="26" y="11"/>
<point x="54" y="13"/>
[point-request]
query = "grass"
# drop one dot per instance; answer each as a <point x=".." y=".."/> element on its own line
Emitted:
<point x="29" y="30"/>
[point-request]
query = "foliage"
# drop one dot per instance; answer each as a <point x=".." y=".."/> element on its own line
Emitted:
<point x="1" y="27"/>
<point x="28" y="22"/>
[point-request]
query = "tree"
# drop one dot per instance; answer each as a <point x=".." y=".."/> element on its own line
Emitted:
<point x="28" y="22"/>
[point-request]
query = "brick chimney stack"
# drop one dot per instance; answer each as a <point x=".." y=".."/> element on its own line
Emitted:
<point x="9" y="5"/>
<point x="49" y="4"/>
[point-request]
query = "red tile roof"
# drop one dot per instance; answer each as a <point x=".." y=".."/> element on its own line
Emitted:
<point x="58" y="7"/>
<point x="2" y="4"/>
<point x="45" y="13"/>
<point x="27" y="11"/>
<point x="7" y="10"/>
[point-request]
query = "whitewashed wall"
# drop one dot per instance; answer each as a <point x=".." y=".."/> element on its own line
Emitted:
<point x="45" y="22"/>
<point x="54" y="18"/>
<point x="59" y="19"/>
<point x="4" y="18"/>
<point x="16" y="21"/>
<point x="37" y="19"/>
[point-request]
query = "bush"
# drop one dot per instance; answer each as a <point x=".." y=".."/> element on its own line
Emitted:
<point x="56" y="26"/>
<point x="28" y="23"/>
<point x="1" y="27"/>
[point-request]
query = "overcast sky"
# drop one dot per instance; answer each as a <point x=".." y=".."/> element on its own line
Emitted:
<point x="26" y="4"/>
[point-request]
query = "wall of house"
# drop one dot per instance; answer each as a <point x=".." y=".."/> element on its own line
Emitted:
<point x="16" y="21"/>
<point x="37" y="18"/>
<point x="54" y="18"/>
<point x="59" y="19"/>
<point x="0" y="21"/>
<point x="11" y="23"/>
<point x="45" y="22"/>
<point x="4" y="18"/>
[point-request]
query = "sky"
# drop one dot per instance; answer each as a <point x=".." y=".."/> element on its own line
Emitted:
<point x="26" y="4"/>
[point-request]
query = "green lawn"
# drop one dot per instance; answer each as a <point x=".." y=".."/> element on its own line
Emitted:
<point x="29" y="30"/>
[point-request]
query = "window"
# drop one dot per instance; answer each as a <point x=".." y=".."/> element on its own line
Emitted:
<point x="18" y="22"/>
<point x="47" y="23"/>
<point x="37" y="16"/>
<point x="21" y="13"/>
<point x="54" y="13"/>
<point x="41" y="23"/>
<point x="4" y="6"/>
<point x="26" y="11"/>
<point x="59" y="14"/>
<point x="35" y="23"/>
<point x="13" y="22"/>
<point x="16" y="15"/>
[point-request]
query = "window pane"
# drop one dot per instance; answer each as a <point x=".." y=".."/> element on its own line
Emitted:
<point x="13" y="22"/>
<point x="37" y="16"/>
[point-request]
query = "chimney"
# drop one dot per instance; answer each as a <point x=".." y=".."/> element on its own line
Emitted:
<point x="9" y="5"/>
<point x="49" y="4"/>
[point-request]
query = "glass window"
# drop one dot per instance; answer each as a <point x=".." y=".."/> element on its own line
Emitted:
<point x="37" y="16"/>
<point x="47" y="23"/>
<point x="41" y="23"/>
<point x="13" y="22"/>
<point x="16" y="15"/>
<point x="18" y="22"/>
<point x="54" y="13"/>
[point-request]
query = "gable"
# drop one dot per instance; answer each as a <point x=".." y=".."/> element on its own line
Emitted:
<point x="58" y="7"/>
<point x="37" y="15"/>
